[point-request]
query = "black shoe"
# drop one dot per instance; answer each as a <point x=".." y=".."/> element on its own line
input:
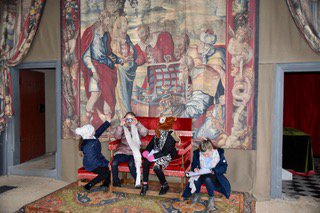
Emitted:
<point x="88" y="186"/>
<point x="105" y="185"/>
<point x="144" y="189"/>
<point x="164" y="189"/>
<point x="116" y="184"/>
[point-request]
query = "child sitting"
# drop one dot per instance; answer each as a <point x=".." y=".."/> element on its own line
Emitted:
<point x="160" y="150"/>
<point x="93" y="160"/>
<point x="129" y="131"/>
<point x="209" y="158"/>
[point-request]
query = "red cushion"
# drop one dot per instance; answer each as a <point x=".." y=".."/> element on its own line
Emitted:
<point x="84" y="174"/>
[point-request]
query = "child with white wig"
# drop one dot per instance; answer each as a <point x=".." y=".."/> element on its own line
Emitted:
<point x="93" y="160"/>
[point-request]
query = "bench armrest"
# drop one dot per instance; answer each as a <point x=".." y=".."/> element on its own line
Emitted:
<point x="183" y="150"/>
<point x="185" y="145"/>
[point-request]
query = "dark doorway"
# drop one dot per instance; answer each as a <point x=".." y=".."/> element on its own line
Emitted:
<point x="32" y="115"/>
<point x="302" y="105"/>
<point x="44" y="157"/>
<point x="301" y="134"/>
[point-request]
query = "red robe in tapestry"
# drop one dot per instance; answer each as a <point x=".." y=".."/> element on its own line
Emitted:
<point x="108" y="76"/>
<point x="161" y="44"/>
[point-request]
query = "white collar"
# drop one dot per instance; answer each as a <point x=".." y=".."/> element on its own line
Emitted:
<point x="152" y="41"/>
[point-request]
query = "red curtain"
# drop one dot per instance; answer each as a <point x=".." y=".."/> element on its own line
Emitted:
<point x="302" y="105"/>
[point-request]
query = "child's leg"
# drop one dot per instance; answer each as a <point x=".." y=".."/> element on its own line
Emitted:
<point x="132" y="167"/>
<point x="196" y="196"/>
<point x="103" y="174"/>
<point x="160" y="174"/>
<point x="114" y="165"/>
<point x="146" y="167"/>
<point x="106" y="176"/>
<point x="209" y="182"/>
<point x="162" y="178"/>
<point x="198" y="184"/>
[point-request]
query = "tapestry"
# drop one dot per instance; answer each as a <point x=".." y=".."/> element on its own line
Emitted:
<point x="191" y="59"/>
<point x="73" y="198"/>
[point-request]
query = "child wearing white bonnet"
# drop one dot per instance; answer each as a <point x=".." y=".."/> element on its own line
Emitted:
<point x="93" y="159"/>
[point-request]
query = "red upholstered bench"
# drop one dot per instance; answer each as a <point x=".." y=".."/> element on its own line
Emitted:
<point x="84" y="176"/>
<point x="181" y="163"/>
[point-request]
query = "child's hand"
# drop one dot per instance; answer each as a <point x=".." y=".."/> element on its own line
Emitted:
<point x="150" y="158"/>
<point x="196" y="170"/>
<point x="145" y="154"/>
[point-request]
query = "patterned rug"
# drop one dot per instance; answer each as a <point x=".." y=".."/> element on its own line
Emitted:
<point x="73" y="198"/>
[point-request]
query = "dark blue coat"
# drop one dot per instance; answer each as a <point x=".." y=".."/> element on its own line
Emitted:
<point x="91" y="148"/>
<point x="219" y="171"/>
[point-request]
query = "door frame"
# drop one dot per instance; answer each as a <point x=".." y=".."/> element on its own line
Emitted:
<point x="12" y="132"/>
<point x="276" y="155"/>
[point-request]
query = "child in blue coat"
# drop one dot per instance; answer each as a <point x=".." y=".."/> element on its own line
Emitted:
<point x="93" y="160"/>
<point x="211" y="159"/>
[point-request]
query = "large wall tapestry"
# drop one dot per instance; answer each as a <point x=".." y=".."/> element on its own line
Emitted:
<point x="193" y="59"/>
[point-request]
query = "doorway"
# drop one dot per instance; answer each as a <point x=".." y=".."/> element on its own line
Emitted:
<point x="301" y="135"/>
<point x="32" y="114"/>
<point x="34" y="133"/>
<point x="276" y="186"/>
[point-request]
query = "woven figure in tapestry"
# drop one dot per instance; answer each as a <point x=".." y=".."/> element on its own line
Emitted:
<point x="208" y="167"/>
<point x="130" y="131"/>
<point x="93" y="159"/>
<point x="99" y="69"/>
<point x="155" y="47"/>
<point x="159" y="153"/>
<point x="123" y="47"/>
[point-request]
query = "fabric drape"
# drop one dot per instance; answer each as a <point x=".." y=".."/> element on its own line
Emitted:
<point x="301" y="12"/>
<point x="12" y="53"/>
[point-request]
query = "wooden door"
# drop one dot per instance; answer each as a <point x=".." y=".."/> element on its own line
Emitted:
<point x="32" y="115"/>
